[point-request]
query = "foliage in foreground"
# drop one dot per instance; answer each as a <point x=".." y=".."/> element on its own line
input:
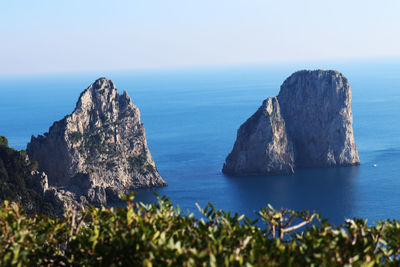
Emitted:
<point x="161" y="235"/>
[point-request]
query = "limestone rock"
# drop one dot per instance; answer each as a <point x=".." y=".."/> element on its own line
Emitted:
<point x="40" y="181"/>
<point x="61" y="200"/>
<point x="314" y="111"/>
<point x="262" y="146"/>
<point x="99" y="150"/>
<point x="316" y="106"/>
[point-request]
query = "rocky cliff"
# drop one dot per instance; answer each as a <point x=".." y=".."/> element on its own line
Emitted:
<point x="262" y="145"/>
<point x="99" y="150"/>
<point x="309" y="124"/>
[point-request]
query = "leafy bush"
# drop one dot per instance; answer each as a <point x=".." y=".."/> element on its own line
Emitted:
<point x="161" y="235"/>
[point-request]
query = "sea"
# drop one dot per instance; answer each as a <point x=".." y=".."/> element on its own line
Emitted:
<point x="191" y="116"/>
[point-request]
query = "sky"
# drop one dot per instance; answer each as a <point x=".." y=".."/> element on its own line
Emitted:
<point x="45" y="36"/>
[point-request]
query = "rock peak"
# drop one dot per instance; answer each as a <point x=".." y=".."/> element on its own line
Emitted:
<point x="317" y="71"/>
<point x="100" y="149"/>
<point x="102" y="83"/>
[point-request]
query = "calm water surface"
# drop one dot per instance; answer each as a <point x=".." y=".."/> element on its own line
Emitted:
<point x="191" y="117"/>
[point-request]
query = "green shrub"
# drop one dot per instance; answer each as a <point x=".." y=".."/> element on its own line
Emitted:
<point x="161" y="235"/>
<point x="3" y="141"/>
<point x="140" y="164"/>
<point x="137" y="162"/>
<point x="76" y="136"/>
<point x="17" y="185"/>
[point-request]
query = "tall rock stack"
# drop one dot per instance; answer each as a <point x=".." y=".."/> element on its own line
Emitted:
<point x="314" y="129"/>
<point x="316" y="106"/>
<point x="98" y="151"/>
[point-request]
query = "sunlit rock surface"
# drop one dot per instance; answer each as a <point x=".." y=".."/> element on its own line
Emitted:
<point x="314" y="129"/>
<point x="98" y="151"/>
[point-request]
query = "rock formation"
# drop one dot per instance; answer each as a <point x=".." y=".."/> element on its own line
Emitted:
<point x="99" y="150"/>
<point x="262" y="146"/>
<point x="309" y="124"/>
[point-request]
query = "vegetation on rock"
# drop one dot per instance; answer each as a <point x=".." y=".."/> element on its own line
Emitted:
<point x="3" y="141"/>
<point x="161" y="235"/>
<point x="140" y="163"/>
<point x="76" y="136"/>
<point x="17" y="184"/>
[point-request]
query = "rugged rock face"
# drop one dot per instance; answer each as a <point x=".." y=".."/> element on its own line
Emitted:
<point x="314" y="128"/>
<point x="99" y="150"/>
<point x="316" y="106"/>
<point x="262" y="146"/>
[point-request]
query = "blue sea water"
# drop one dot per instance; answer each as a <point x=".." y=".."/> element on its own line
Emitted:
<point x="191" y="117"/>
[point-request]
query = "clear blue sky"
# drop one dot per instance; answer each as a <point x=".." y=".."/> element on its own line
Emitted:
<point x="86" y="35"/>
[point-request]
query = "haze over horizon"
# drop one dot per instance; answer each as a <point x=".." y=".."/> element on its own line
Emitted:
<point x="64" y="36"/>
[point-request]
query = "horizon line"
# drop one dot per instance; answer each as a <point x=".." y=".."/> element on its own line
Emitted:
<point x="204" y="66"/>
